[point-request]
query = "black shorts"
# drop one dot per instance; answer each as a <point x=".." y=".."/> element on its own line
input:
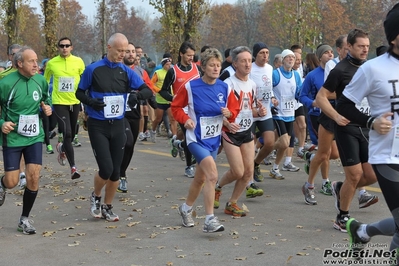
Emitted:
<point x="353" y="144"/>
<point x="33" y="154"/>
<point x="264" y="125"/>
<point x="283" y="127"/>
<point x="163" y="106"/>
<point x="300" y="111"/>
<point x="326" y="122"/>
<point x="238" y="138"/>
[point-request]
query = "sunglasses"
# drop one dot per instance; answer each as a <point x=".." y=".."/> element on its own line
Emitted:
<point x="64" y="45"/>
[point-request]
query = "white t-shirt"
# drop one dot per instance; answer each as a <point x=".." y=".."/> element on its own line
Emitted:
<point x="329" y="66"/>
<point x="262" y="76"/>
<point x="378" y="80"/>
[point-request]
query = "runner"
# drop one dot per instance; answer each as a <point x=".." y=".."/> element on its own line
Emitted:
<point x="103" y="88"/>
<point x="21" y="94"/>
<point x="209" y="101"/>
<point x="65" y="69"/>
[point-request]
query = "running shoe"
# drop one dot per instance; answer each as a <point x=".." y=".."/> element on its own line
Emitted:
<point x="74" y="173"/>
<point x="186" y="217"/>
<point x="356" y="243"/>
<point x="3" y="194"/>
<point x="306" y="157"/>
<point x="336" y="188"/>
<point x="22" y="181"/>
<point x="300" y="153"/>
<point x="173" y="150"/>
<point x="254" y="191"/>
<point x="108" y="214"/>
<point x="147" y="134"/>
<point x="290" y="167"/>
<point x="25" y="226"/>
<point x="367" y="199"/>
<point x="189" y="171"/>
<point x="153" y="136"/>
<point x="218" y="193"/>
<point x="95" y="206"/>
<point x="258" y="177"/>
<point x="76" y="142"/>
<point x="309" y="147"/>
<point x="170" y="134"/>
<point x="61" y="155"/>
<point x="267" y="161"/>
<point x="233" y="209"/>
<point x="51" y="134"/>
<point x="310" y="197"/>
<point x="273" y="154"/>
<point x="213" y="225"/>
<point x="275" y="173"/>
<point x="141" y="136"/>
<point x="340" y="222"/>
<point x="122" y="188"/>
<point x="326" y="189"/>
<point x="49" y="149"/>
<point x="60" y="138"/>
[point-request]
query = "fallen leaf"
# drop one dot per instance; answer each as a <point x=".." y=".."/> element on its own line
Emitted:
<point x="255" y="238"/>
<point x="133" y="223"/>
<point x="302" y="254"/>
<point x="158" y="196"/>
<point x="259" y="253"/>
<point x="169" y="263"/>
<point x="271" y="244"/>
<point x="241" y="258"/>
<point x="122" y="236"/>
<point x="299" y="226"/>
<point x="48" y="233"/>
<point x="232" y="233"/>
<point x="181" y="256"/>
<point x="111" y="226"/>
<point x="288" y="260"/>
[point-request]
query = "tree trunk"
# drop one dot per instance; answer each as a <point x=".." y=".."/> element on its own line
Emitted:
<point x="50" y="12"/>
<point x="11" y="22"/>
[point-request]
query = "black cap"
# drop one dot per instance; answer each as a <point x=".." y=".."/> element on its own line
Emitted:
<point x="227" y="52"/>
<point x="391" y="24"/>
<point x="257" y="47"/>
<point x="167" y="55"/>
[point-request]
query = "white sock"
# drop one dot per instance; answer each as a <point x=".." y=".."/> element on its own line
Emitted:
<point x="208" y="217"/>
<point x="275" y="166"/>
<point x="21" y="174"/>
<point x="362" y="232"/>
<point x="287" y="160"/>
<point x="186" y="208"/>
<point x="361" y="192"/>
<point x="311" y="156"/>
<point x="300" y="149"/>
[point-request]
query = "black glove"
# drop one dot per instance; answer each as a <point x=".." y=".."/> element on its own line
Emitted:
<point x="132" y="101"/>
<point x="274" y="110"/>
<point x="152" y="102"/>
<point x="96" y="104"/>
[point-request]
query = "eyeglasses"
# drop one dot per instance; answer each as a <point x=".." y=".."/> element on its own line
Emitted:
<point x="64" y="45"/>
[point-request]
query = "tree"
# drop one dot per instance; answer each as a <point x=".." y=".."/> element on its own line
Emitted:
<point x="180" y="20"/>
<point x="49" y="8"/>
<point x="249" y="18"/>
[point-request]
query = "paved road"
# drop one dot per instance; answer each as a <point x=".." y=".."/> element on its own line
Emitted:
<point x="280" y="228"/>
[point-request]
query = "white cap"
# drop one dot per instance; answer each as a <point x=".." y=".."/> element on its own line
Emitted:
<point x="287" y="52"/>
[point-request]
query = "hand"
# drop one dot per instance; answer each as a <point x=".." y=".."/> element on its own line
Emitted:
<point x="262" y="111"/>
<point x="233" y="127"/>
<point x="341" y="120"/>
<point x="226" y="112"/>
<point x="314" y="104"/>
<point x="189" y="124"/>
<point x="46" y="109"/>
<point x="7" y="127"/>
<point x="382" y="125"/>
<point x="132" y="101"/>
<point x="97" y="104"/>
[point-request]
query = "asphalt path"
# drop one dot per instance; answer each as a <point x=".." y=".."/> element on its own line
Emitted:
<point x="280" y="229"/>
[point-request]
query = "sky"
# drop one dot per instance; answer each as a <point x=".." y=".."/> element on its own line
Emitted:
<point x="89" y="6"/>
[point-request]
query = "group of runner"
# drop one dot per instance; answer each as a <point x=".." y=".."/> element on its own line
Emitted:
<point x="215" y="109"/>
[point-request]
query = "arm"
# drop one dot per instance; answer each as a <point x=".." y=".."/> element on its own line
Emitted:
<point x="154" y="80"/>
<point x="322" y="100"/>
<point x="165" y="90"/>
<point x="306" y="93"/>
<point x="177" y="105"/>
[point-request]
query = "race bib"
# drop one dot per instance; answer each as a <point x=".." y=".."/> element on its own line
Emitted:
<point x="115" y="106"/>
<point x="244" y="119"/>
<point x="364" y="107"/>
<point x="28" y="125"/>
<point x="66" y="84"/>
<point x="211" y="126"/>
<point x="395" y="144"/>
<point x="287" y="105"/>
<point x="264" y="94"/>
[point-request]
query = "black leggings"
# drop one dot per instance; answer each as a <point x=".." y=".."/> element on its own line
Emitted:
<point x="49" y="123"/>
<point x="132" y="132"/>
<point x="107" y="138"/>
<point x="184" y="144"/>
<point x="67" y="117"/>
